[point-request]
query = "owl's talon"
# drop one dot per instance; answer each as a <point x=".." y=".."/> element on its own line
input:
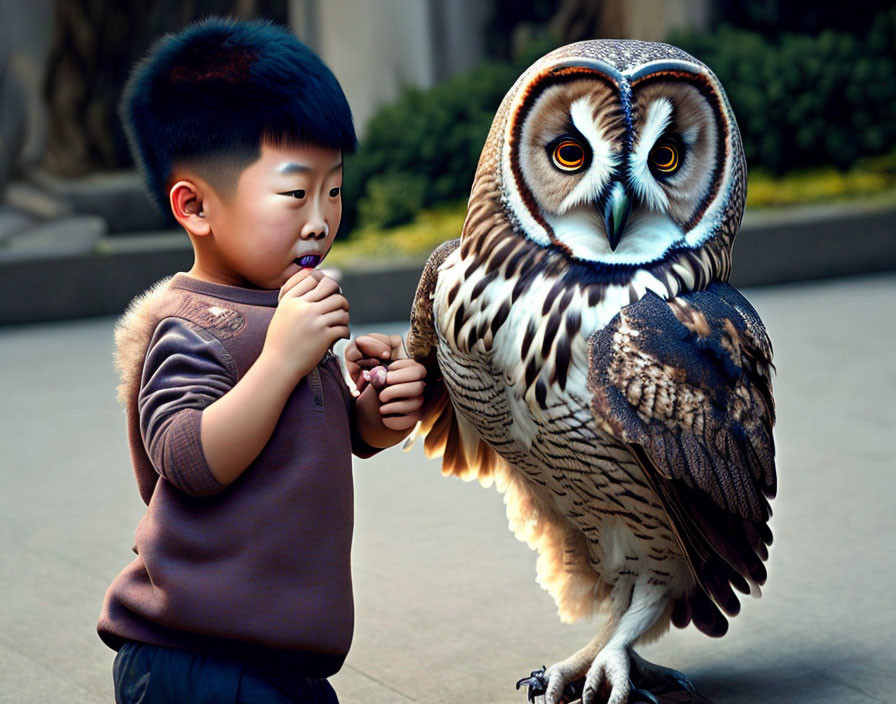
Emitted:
<point x="536" y="682"/>
<point x="641" y="696"/>
<point x="656" y="684"/>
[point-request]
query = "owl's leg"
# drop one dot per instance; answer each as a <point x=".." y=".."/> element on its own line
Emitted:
<point x="611" y="667"/>
<point x="563" y="675"/>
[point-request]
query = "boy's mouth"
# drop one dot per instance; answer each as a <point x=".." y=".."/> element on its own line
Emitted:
<point x="309" y="261"/>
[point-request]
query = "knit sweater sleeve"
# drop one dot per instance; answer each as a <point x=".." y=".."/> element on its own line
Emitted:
<point x="185" y="369"/>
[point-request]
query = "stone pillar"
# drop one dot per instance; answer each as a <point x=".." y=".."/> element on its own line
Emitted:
<point x="375" y="47"/>
<point x="649" y="20"/>
<point x="12" y="121"/>
<point x="25" y="33"/>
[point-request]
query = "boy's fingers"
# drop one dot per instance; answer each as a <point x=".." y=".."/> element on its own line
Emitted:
<point x="401" y="407"/>
<point x="399" y="351"/>
<point x="401" y="423"/>
<point x="411" y="365"/>
<point x="407" y="362"/>
<point x="300" y="283"/>
<point x="338" y="332"/>
<point x="352" y="353"/>
<point x="300" y="276"/>
<point x="402" y="373"/>
<point x="393" y="343"/>
<point x="401" y="391"/>
<point x="374" y="345"/>
<point x="325" y="288"/>
<point x="332" y="302"/>
<point x="335" y="317"/>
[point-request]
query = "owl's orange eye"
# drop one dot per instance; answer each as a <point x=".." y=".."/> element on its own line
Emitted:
<point x="665" y="157"/>
<point x="568" y="155"/>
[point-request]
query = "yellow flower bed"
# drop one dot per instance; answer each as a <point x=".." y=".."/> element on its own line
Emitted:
<point x="825" y="185"/>
<point x="410" y="242"/>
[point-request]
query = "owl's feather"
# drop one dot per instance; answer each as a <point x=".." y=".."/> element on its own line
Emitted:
<point x="446" y="436"/>
<point x="563" y="567"/>
<point x="609" y="383"/>
<point x="686" y="384"/>
<point x="688" y="380"/>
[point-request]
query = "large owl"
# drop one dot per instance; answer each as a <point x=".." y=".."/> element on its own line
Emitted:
<point x="586" y="354"/>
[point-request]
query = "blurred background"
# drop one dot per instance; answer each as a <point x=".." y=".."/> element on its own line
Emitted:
<point x="813" y="87"/>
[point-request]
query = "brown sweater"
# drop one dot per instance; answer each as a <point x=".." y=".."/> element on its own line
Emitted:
<point x="259" y="569"/>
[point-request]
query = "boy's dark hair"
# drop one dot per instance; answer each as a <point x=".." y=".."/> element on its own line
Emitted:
<point x="208" y="95"/>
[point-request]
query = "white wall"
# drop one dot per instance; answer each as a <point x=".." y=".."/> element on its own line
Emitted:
<point x="375" y="47"/>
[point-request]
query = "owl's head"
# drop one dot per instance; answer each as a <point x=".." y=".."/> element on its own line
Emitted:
<point x="621" y="153"/>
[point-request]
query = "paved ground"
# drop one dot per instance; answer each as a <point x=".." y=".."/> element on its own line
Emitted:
<point x="447" y="607"/>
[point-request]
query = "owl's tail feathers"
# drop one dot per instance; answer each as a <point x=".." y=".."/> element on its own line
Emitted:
<point x="446" y="435"/>
<point x="725" y="551"/>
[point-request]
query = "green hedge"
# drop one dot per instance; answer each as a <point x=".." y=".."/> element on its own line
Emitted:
<point x="423" y="149"/>
<point x="804" y="100"/>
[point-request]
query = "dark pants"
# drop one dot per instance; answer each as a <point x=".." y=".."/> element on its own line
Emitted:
<point x="149" y="674"/>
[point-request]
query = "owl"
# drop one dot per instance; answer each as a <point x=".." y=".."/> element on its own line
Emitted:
<point x="587" y="356"/>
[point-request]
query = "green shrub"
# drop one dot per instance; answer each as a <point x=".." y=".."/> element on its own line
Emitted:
<point x="804" y="100"/>
<point x="433" y="137"/>
<point x="391" y="199"/>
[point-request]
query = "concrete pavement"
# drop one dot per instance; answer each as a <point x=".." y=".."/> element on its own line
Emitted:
<point x="447" y="606"/>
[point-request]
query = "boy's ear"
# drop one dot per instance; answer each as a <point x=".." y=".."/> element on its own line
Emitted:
<point x="186" y="204"/>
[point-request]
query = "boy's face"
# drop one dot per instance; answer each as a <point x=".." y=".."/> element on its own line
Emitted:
<point x="282" y="217"/>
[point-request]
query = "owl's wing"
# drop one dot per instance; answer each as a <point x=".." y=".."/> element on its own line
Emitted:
<point x="445" y="434"/>
<point x="687" y="385"/>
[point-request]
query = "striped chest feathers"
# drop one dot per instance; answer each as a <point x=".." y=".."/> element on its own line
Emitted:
<point x="523" y="387"/>
<point x="533" y="342"/>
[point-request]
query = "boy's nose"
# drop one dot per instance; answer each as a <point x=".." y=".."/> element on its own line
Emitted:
<point x="311" y="234"/>
<point x="315" y="227"/>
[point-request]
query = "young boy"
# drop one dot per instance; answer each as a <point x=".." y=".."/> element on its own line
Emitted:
<point x="240" y="425"/>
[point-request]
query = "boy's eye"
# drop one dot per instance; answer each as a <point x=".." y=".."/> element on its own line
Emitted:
<point x="295" y="194"/>
<point x="334" y="192"/>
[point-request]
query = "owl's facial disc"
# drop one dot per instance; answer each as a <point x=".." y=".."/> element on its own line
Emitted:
<point x="617" y="177"/>
<point x="681" y="128"/>
<point x="572" y="154"/>
<point x="566" y="146"/>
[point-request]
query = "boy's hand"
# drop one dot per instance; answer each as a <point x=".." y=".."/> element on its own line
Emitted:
<point x="401" y="394"/>
<point x="390" y="407"/>
<point x="311" y="315"/>
<point x="367" y="352"/>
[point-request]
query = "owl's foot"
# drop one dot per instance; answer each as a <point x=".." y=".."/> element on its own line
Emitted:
<point x="562" y="682"/>
<point x="608" y="678"/>
<point x="654" y="684"/>
<point x="537" y="684"/>
<point x="615" y="677"/>
<point x="605" y="679"/>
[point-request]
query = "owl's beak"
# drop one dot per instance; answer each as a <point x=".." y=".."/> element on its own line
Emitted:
<point x="616" y="211"/>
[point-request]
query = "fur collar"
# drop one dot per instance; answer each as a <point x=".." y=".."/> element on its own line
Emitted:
<point x="133" y="331"/>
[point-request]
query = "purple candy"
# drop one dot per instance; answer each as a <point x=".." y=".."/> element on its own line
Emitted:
<point x="309" y="261"/>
